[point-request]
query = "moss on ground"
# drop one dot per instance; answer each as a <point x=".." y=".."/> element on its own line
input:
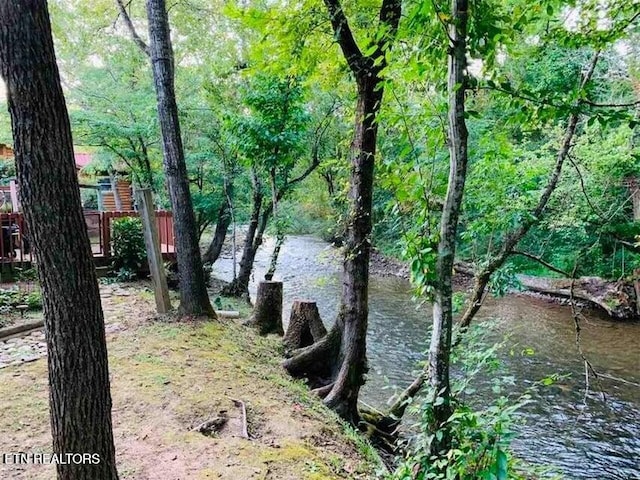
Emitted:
<point x="167" y="378"/>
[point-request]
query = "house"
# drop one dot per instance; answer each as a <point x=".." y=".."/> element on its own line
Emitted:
<point x="104" y="198"/>
<point x="5" y="151"/>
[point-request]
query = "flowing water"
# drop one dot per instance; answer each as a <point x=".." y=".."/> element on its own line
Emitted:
<point x="599" y="441"/>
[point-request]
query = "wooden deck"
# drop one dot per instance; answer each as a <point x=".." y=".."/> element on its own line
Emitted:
<point x="15" y="250"/>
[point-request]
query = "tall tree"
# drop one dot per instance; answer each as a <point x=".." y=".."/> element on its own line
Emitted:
<point x="271" y="138"/>
<point x="342" y="353"/>
<point x="80" y="400"/>
<point x="440" y="348"/>
<point x="194" y="299"/>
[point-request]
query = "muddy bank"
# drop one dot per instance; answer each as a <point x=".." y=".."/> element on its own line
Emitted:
<point x="616" y="299"/>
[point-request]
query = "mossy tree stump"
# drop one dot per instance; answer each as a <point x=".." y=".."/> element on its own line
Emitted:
<point x="267" y="314"/>
<point x="305" y="326"/>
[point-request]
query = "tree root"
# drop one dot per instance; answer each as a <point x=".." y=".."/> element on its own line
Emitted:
<point x="317" y="361"/>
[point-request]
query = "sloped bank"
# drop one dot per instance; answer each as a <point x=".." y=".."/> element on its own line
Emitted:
<point x="168" y="379"/>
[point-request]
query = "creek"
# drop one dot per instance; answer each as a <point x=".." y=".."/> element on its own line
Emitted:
<point x="578" y="433"/>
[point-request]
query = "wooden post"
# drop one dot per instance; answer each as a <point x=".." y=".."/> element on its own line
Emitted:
<point x="116" y="194"/>
<point x="105" y="225"/>
<point x="13" y="190"/>
<point x="154" y="255"/>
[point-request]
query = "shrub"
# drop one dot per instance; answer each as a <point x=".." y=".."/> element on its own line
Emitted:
<point x="9" y="298"/>
<point x="129" y="251"/>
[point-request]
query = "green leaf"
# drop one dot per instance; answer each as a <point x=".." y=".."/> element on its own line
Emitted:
<point x="502" y="464"/>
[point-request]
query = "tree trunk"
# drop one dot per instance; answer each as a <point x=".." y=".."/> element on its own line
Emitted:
<point x="194" y="299"/>
<point x="267" y="314"/>
<point x="222" y="226"/>
<point x="274" y="257"/>
<point x="253" y="239"/>
<point x="80" y="400"/>
<point x="354" y="309"/>
<point x="512" y="238"/>
<point x="305" y="326"/>
<point x="342" y="352"/>
<point x="440" y="348"/>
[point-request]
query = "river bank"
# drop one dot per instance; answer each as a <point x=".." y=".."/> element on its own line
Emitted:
<point x="167" y="378"/>
<point x="615" y="298"/>
<point x="568" y="426"/>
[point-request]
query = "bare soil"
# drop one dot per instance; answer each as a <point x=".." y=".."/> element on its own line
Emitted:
<point x="169" y="377"/>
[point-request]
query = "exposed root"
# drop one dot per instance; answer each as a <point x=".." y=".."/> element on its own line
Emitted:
<point x="322" y="392"/>
<point x="243" y="410"/>
<point x="316" y="361"/>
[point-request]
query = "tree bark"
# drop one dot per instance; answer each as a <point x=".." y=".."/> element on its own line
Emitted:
<point x="274" y="256"/>
<point x="342" y="352"/>
<point x="440" y="347"/>
<point x="79" y="394"/>
<point x="194" y="299"/>
<point x="267" y="314"/>
<point x="222" y="226"/>
<point x="305" y="326"/>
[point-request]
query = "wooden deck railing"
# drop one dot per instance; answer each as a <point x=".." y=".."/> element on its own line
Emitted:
<point x="15" y="245"/>
<point x="164" y="221"/>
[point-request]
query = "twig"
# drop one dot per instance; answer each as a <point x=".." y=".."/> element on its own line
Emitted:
<point x="588" y="367"/>
<point x="243" y="409"/>
<point x="541" y="262"/>
<point x="618" y="379"/>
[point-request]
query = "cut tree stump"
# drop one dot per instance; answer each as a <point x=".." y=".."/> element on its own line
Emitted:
<point x="305" y="326"/>
<point x="267" y="314"/>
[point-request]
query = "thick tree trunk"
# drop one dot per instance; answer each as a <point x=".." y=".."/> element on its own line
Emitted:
<point x="342" y="352"/>
<point x="440" y="348"/>
<point x="194" y="299"/>
<point x="80" y="401"/>
<point x="616" y="299"/>
<point x="305" y="326"/>
<point x="354" y="309"/>
<point x="267" y="314"/>
<point x="222" y="226"/>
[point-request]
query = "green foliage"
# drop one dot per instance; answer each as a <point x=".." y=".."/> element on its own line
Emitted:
<point x="10" y="298"/>
<point x="423" y="253"/>
<point x="7" y="169"/>
<point x="480" y="436"/>
<point x="503" y="281"/>
<point x="128" y="248"/>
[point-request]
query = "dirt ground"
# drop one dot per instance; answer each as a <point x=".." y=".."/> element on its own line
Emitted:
<point x="168" y="378"/>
